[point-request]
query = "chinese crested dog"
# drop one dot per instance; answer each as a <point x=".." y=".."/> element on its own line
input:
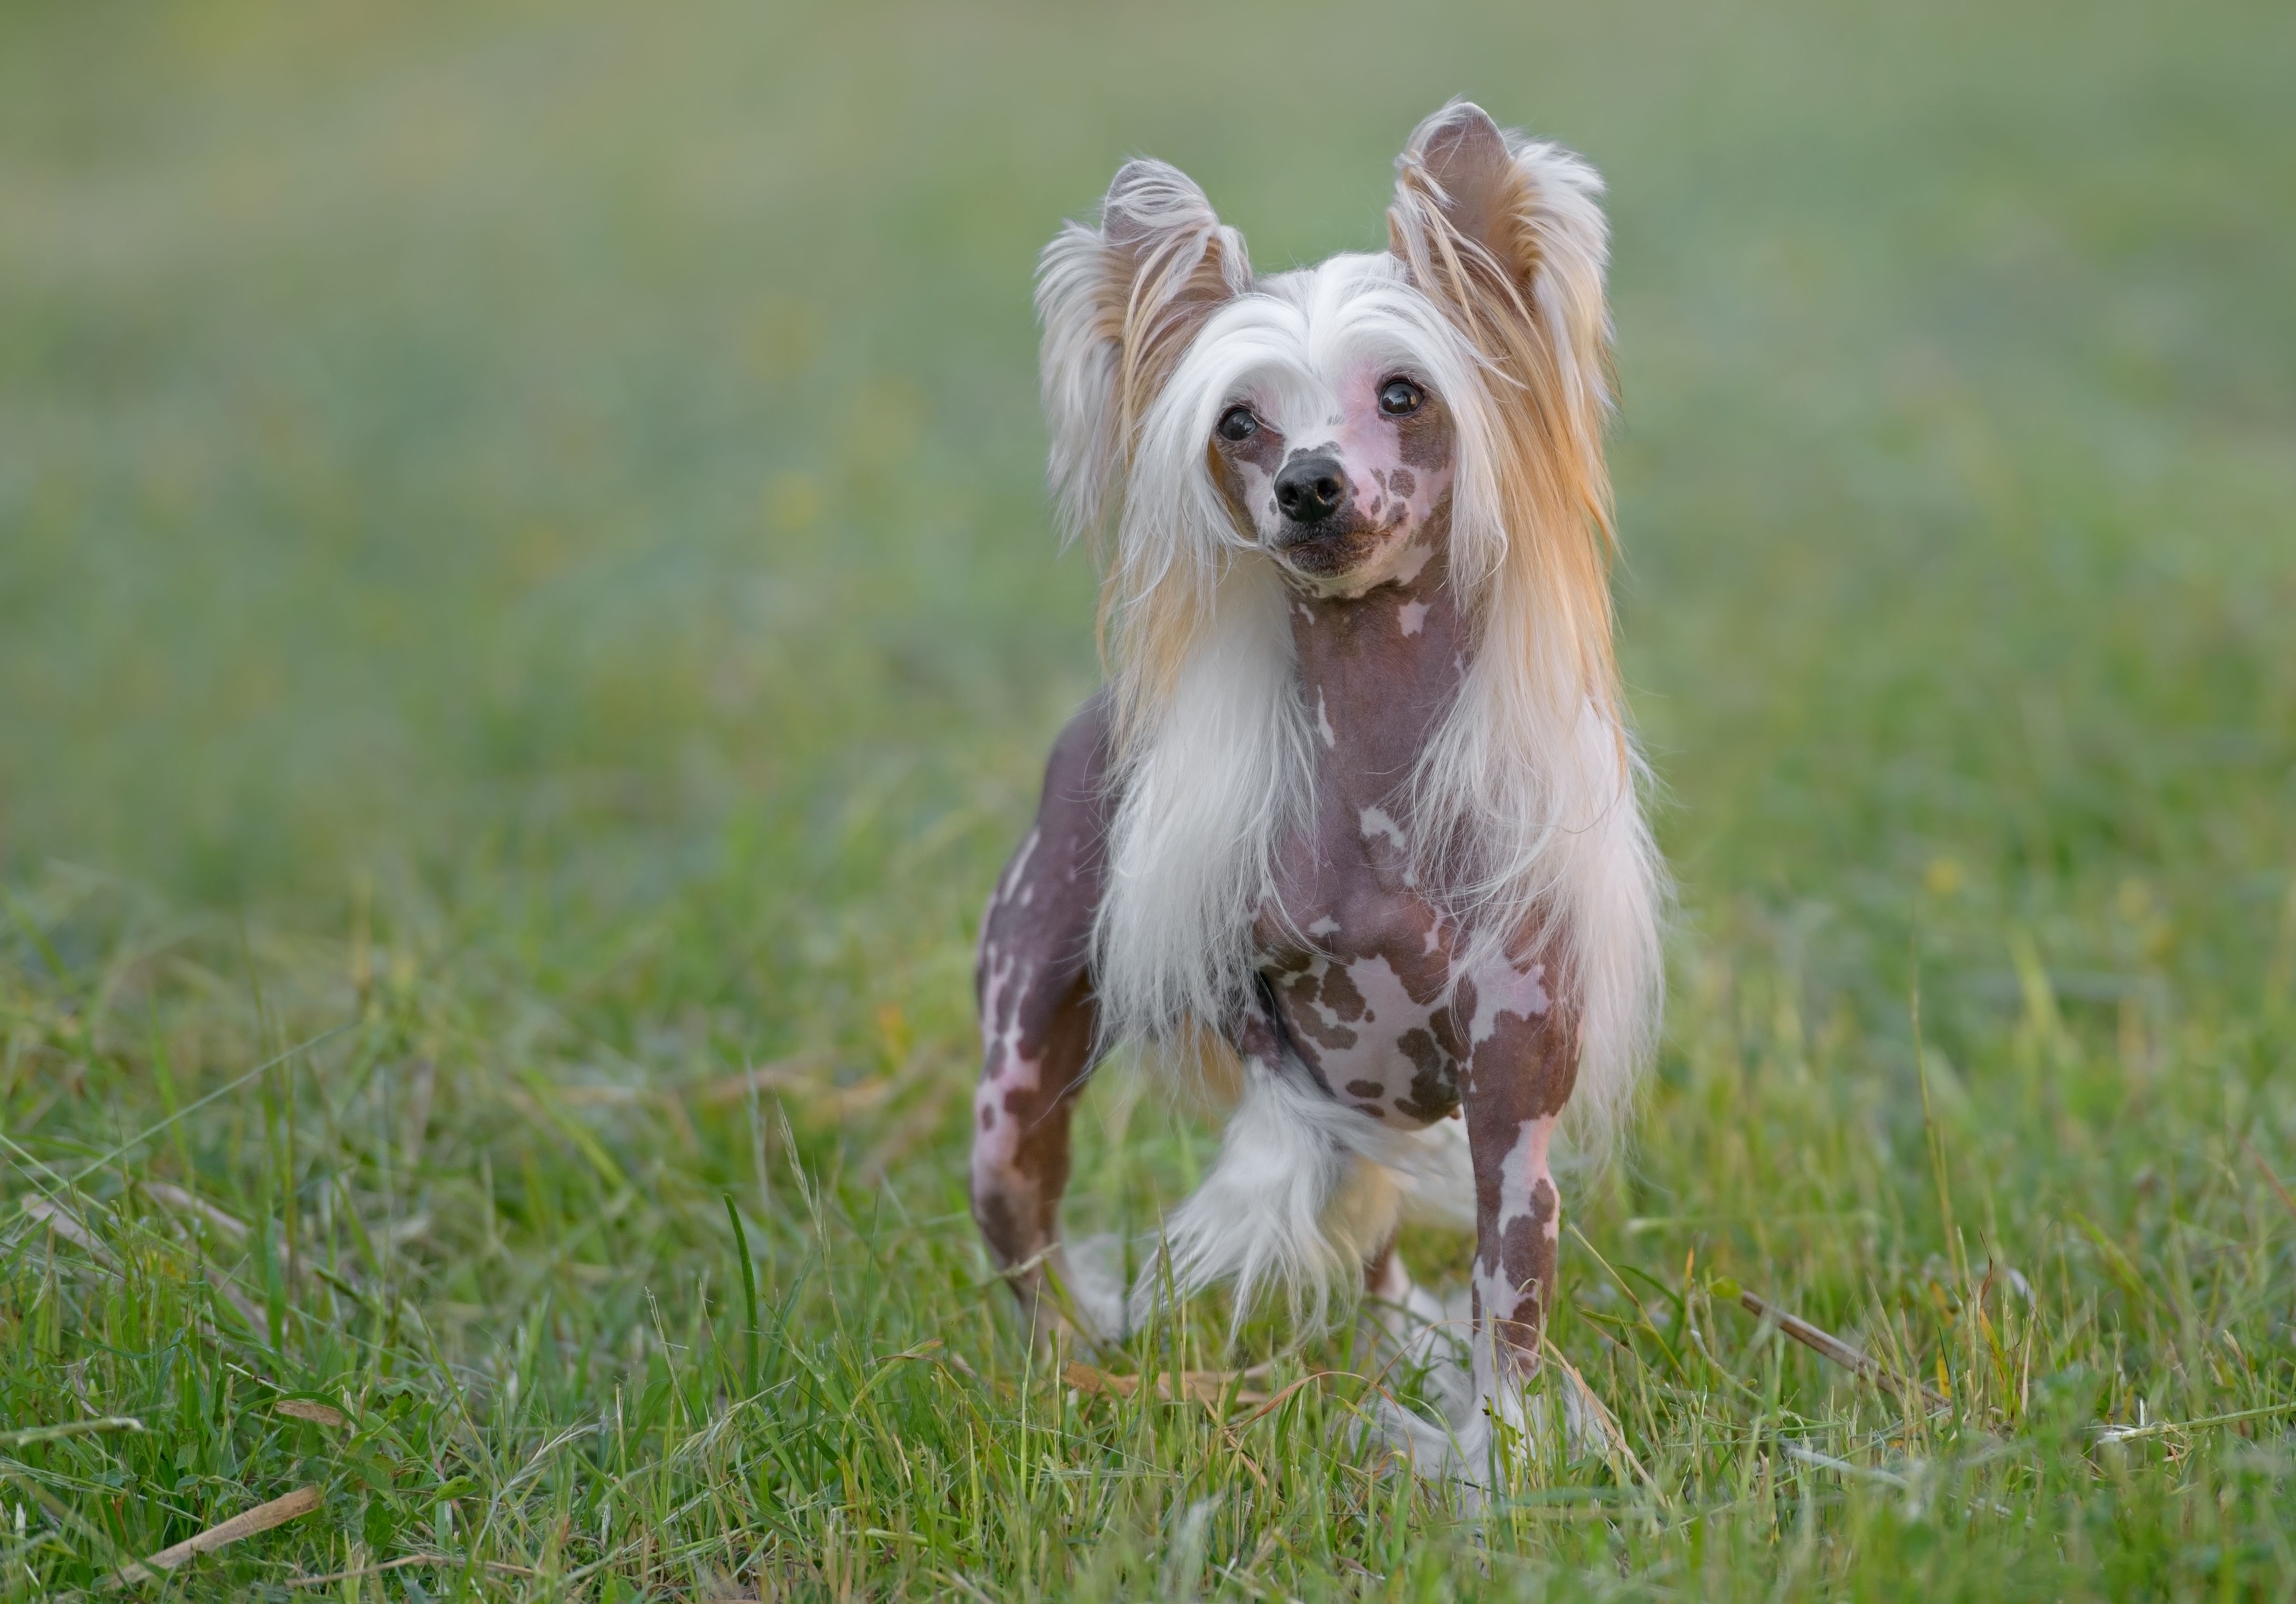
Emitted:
<point x="1352" y="832"/>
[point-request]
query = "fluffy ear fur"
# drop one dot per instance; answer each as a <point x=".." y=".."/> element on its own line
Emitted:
<point x="1506" y="233"/>
<point x="1119" y="302"/>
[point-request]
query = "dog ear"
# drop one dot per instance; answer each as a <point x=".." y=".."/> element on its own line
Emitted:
<point x="1119" y="303"/>
<point x="1507" y="234"/>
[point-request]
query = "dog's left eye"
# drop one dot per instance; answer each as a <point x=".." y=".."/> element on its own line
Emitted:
<point x="1399" y="398"/>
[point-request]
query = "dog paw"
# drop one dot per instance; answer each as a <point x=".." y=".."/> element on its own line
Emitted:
<point x="1487" y="1444"/>
<point x="1092" y="1274"/>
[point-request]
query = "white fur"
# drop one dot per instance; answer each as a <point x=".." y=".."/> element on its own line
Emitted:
<point x="1091" y="1273"/>
<point x="1078" y="366"/>
<point x="1229" y="771"/>
<point x="1305" y="1190"/>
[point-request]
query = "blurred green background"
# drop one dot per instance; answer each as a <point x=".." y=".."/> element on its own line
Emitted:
<point x="590" y="434"/>
<point x="522" y="527"/>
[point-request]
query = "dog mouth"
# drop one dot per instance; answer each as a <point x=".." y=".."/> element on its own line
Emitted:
<point x="1325" y="550"/>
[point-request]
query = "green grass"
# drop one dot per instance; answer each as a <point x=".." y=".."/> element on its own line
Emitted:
<point x="525" y="593"/>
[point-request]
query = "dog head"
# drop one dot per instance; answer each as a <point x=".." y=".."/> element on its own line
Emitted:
<point x="1342" y="421"/>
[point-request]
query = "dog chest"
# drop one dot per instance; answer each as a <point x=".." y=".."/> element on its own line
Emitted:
<point x="1357" y="970"/>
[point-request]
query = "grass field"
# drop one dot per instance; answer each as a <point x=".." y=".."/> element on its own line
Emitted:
<point x="528" y="623"/>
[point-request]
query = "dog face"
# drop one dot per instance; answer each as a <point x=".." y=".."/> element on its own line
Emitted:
<point x="1332" y="441"/>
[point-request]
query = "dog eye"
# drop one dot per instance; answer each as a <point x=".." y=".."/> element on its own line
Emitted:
<point x="1399" y="398"/>
<point x="1237" y="423"/>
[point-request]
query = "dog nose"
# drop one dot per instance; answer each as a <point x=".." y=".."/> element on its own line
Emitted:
<point x="1310" y="489"/>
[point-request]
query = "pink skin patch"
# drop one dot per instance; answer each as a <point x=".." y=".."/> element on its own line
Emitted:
<point x="1500" y="992"/>
<point x="1353" y="1015"/>
<point x="1391" y="493"/>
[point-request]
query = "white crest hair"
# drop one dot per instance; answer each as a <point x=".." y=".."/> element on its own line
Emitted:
<point x="1524" y="804"/>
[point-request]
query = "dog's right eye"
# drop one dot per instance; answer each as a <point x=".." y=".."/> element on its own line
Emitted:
<point x="1237" y="423"/>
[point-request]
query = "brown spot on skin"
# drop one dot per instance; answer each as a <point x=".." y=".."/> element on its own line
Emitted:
<point x="988" y="1116"/>
<point x="1308" y="1021"/>
<point x="1374" y="1109"/>
<point x="1525" y="1259"/>
<point x="1365" y="1088"/>
<point x="1263" y="451"/>
<point x="1000" y="1227"/>
<point x="1434" y="1080"/>
<point x="1340" y="995"/>
<point x="1515" y="1041"/>
<point x="1526" y="1256"/>
<point x="1426" y="440"/>
<point x="1287" y="962"/>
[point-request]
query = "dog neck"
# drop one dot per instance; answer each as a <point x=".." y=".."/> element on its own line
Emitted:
<point x="1379" y="670"/>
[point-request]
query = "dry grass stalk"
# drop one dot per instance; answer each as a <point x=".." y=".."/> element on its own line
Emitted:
<point x="304" y="1409"/>
<point x="28" y="1435"/>
<point x="262" y="1518"/>
<point x="1826" y="1345"/>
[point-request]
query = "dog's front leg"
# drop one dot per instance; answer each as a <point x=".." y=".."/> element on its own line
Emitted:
<point x="1523" y="1062"/>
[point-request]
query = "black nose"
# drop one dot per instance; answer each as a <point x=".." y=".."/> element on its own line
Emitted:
<point x="1310" y="489"/>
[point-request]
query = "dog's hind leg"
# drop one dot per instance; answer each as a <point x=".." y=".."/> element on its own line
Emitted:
<point x="1039" y="1019"/>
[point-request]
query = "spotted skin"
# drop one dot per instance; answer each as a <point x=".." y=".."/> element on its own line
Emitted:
<point x="1362" y="988"/>
<point x="1038" y="1018"/>
<point x="1398" y="473"/>
<point x="1521" y="1065"/>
